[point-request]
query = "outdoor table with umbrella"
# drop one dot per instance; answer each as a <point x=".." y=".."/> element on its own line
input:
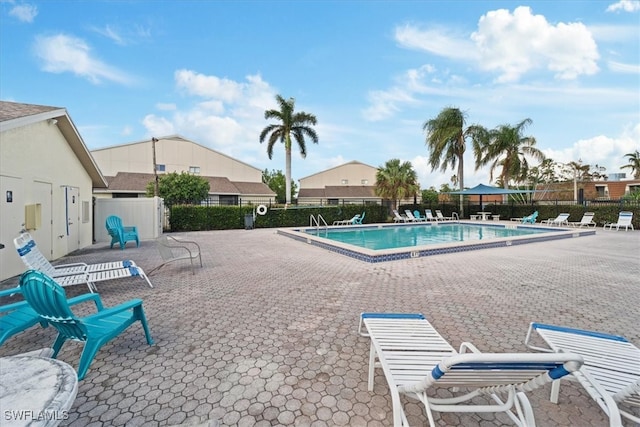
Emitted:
<point x="485" y="190"/>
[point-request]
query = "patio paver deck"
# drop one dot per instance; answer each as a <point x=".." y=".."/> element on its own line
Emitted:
<point x="266" y="333"/>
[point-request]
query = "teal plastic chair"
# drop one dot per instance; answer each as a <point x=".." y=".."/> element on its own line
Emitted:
<point x="121" y="234"/>
<point x="359" y="219"/>
<point x="531" y="219"/>
<point x="48" y="299"/>
<point x="19" y="316"/>
<point x="16" y="317"/>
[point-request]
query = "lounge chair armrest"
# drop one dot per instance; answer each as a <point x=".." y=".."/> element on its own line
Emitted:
<point x="527" y="340"/>
<point x="172" y="242"/>
<point x="9" y="292"/>
<point x="130" y="228"/>
<point x="86" y="297"/>
<point x="13" y="306"/>
<point x="127" y="305"/>
<point x="468" y="346"/>
<point x="73" y="264"/>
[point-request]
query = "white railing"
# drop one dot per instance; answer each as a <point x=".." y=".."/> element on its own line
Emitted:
<point x="316" y="220"/>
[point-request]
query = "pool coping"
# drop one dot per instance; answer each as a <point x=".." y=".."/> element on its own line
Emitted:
<point x="384" y="255"/>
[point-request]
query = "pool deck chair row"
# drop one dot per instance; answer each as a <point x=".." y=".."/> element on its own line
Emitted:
<point x="77" y="273"/>
<point x="416" y="359"/>
<point x="611" y="370"/>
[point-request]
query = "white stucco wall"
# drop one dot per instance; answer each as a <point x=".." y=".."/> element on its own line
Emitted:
<point x="353" y="173"/>
<point x="33" y="157"/>
<point x="177" y="155"/>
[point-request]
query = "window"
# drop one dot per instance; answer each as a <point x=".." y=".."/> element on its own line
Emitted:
<point x="160" y="168"/>
<point x="86" y="211"/>
<point x="194" y="170"/>
<point x="632" y="188"/>
<point x="364" y="181"/>
<point x="345" y="181"/>
<point x="602" y="191"/>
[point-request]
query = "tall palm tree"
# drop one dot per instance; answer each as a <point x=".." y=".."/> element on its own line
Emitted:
<point x="291" y="123"/>
<point x="446" y="139"/>
<point x="510" y="151"/>
<point x="634" y="164"/>
<point x="396" y="181"/>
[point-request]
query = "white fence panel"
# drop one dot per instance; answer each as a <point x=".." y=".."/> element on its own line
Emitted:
<point x="147" y="214"/>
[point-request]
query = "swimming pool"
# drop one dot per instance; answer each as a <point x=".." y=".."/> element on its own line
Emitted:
<point x="387" y="242"/>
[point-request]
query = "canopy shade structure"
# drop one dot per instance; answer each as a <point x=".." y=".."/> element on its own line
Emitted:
<point x="482" y="190"/>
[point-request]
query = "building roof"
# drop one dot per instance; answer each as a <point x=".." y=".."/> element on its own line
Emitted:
<point x="353" y="162"/>
<point x="339" y="192"/>
<point x="130" y="182"/>
<point x="14" y="115"/>
<point x="15" y="110"/>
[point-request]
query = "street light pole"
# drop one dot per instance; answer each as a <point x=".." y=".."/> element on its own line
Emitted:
<point x="156" y="188"/>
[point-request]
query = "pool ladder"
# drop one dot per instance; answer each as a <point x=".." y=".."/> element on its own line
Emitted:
<point x="316" y="220"/>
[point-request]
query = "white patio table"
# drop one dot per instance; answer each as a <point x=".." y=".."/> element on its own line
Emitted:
<point x="35" y="391"/>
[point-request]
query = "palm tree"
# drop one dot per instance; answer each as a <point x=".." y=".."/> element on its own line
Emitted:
<point x="508" y="149"/>
<point x="296" y="124"/>
<point x="446" y="139"/>
<point x="396" y="181"/>
<point x="634" y="164"/>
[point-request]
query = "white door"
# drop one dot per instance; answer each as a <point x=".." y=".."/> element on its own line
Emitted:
<point x="43" y="236"/>
<point x="12" y="214"/>
<point x="72" y="204"/>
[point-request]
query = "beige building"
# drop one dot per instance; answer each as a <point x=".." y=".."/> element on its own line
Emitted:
<point x="129" y="169"/>
<point x="47" y="175"/>
<point x="352" y="183"/>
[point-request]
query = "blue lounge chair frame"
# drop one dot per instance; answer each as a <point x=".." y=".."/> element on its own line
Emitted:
<point x="48" y="299"/>
<point x="531" y="219"/>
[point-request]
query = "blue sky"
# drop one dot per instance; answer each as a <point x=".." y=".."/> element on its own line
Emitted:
<point x="371" y="71"/>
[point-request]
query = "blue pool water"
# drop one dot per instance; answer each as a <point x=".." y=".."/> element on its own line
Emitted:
<point x="390" y="242"/>
<point x="377" y="238"/>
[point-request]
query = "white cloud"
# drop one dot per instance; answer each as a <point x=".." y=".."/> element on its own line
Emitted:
<point x="62" y="53"/>
<point x="513" y="44"/>
<point x="624" y="5"/>
<point x="110" y="33"/>
<point x="24" y="12"/>
<point x="435" y="40"/>
<point x="225" y="114"/>
<point x="619" y="67"/>
<point x="601" y="150"/>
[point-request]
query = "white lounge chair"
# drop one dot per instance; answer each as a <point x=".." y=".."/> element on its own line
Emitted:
<point x="560" y="220"/>
<point x="586" y="221"/>
<point x="611" y="370"/>
<point x="411" y="217"/>
<point x="441" y="217"/>
<point x="415" y="358"/>
<point x="76" y="273"/>
<point x="172" y="249"/>
<point x="399" y="218"/>
<point x="429" y="215"/>
<point x="624" y="220"/>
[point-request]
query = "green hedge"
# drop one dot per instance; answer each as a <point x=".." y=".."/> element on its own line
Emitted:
<point x="196" y="218"/>
<point x="603" y="214"/>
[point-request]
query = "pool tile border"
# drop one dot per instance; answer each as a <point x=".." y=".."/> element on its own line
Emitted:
<point x="366" y="255"/>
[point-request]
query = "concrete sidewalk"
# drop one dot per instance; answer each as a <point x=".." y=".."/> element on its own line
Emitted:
<point x="266" y="333"/>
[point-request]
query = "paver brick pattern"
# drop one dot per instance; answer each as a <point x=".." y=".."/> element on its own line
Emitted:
<point x="266" y="333"/>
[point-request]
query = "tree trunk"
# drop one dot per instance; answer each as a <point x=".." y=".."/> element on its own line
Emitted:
<point x="287" y="177"/>
<point x="461" y="182"/>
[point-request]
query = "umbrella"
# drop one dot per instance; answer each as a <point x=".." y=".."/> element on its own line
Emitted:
<point x="481" y="190"/>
